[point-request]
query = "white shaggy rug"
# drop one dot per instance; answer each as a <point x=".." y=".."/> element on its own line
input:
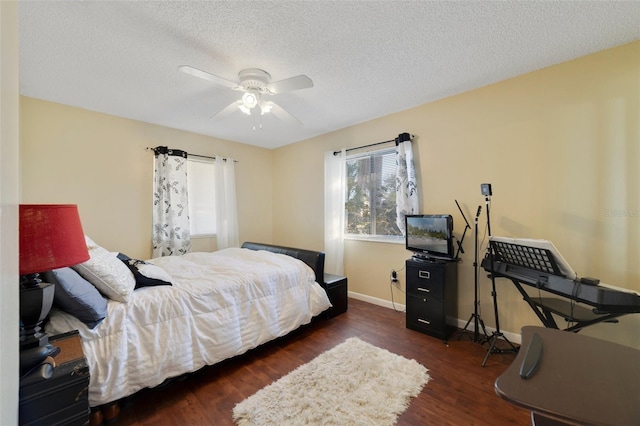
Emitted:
<point x="354" y="383"/>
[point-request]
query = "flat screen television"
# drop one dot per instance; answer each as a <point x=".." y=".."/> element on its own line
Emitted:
<point x="430" y="236"/>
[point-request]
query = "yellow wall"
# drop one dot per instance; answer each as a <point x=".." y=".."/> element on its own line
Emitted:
<point x="561" y="147"/>
<point x="99" y="162"/>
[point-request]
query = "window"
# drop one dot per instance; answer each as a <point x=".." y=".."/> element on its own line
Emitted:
<point x="200" y="184"/>
<point x="370" y="201"/>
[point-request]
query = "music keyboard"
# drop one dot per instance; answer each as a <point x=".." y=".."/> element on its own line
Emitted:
<point x="603" y="298"/>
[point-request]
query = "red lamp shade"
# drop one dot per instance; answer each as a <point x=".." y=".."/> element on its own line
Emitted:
<point x="51" y="237"/>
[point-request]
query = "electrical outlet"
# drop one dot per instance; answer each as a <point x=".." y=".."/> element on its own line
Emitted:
<point x="394" y="276"/>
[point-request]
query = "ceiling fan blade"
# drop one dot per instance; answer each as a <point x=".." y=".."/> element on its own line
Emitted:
<point x="226" y="111"/>
<point x="290" y="84"/>
<point x="282" y="114"/>
<point x="187" y="69"/>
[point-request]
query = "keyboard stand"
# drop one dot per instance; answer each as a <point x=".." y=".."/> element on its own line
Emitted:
<point x="582" y="317"/>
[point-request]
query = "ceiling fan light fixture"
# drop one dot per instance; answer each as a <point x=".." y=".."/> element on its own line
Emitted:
<point x="255" y="84"/>
<point x="265" y="107"/>
<point x="249" y="99"/>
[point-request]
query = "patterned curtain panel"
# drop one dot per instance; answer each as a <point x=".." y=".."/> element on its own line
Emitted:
<point x="406" y="184"/>
<point x="226" y="210"/>
<point x="170" y="203"/>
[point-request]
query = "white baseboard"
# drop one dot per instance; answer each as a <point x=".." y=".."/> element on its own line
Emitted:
<point x="376" y="301"/>
<point x="512" y="337"/>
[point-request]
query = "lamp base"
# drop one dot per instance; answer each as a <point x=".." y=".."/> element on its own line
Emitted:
<point x="35" y="304"/>
<point x="34" y="340"/>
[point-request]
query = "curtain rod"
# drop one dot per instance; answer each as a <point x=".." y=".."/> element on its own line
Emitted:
<point x="402" y="137"/>
<point x="196" y="155"/>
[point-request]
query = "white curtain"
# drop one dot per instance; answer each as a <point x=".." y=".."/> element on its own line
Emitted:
<point x="334" y="210"/>
<point x="406" y="185"/>
<point x="171" y="234"/>
<point x="225" y="201"/>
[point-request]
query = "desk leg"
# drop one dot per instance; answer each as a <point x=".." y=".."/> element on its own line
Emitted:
<point x="540" y="420"/>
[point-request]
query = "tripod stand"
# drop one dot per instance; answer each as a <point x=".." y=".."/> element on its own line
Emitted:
<point x="475" y="317"/>
<point x="497" y="334"/>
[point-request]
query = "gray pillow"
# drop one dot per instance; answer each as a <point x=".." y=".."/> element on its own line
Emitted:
<point x="77" y="296"/>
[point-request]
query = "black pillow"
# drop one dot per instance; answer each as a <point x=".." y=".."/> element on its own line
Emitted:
<point x="145" y="273"/>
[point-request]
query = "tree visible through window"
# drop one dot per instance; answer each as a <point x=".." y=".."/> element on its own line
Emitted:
<point x="370" y="202"/>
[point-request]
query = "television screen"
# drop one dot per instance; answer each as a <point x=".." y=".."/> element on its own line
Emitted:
<point x="430" y="235"/>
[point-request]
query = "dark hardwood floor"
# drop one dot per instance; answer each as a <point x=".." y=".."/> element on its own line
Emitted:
<point x="460" y="391"/>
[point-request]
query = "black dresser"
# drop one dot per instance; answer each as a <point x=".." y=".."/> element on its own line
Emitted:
<point x="432" y="296"/>
<point x="63" y="397"/>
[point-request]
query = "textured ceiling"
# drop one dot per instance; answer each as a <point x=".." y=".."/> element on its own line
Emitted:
<point x="366" y="58"/>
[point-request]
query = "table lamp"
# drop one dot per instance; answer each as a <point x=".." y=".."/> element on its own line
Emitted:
<point x="50" y="237"/>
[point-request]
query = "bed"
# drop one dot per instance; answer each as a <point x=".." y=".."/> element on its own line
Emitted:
<point x="214" y="306"/>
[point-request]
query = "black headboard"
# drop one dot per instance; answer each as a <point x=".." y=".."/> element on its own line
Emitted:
<point x="315" y="259"/>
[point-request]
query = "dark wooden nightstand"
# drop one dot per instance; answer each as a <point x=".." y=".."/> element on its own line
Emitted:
<point x="63" y="397"/>
<point x="336" y="288"/>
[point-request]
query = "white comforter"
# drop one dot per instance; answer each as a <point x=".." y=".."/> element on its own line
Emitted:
<point x="221" y="304"/>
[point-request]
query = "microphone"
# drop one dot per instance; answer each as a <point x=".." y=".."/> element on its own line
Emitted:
<point x="478" y="212"/>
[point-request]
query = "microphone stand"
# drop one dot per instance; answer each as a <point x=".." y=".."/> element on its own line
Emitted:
<point x="460" y="249"/>
<point x="475" y="316"/>
<point x="496" y="334"/>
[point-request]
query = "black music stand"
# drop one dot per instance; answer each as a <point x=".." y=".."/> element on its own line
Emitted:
<point x="544" y="261"/>
<point x="467" y="226"/>
<point x="538" y="259"/>
<point x="497" y="334"/>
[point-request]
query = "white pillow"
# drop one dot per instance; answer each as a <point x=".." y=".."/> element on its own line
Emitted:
<point x="153" y="271"/>
<point x="107" y="273"/>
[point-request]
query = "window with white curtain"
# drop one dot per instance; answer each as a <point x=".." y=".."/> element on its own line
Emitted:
<point x="370" y="202"/>
<point x="202" y="206"/>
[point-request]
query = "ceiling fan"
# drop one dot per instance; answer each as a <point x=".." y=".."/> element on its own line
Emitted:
<point x="257" y="87"/>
